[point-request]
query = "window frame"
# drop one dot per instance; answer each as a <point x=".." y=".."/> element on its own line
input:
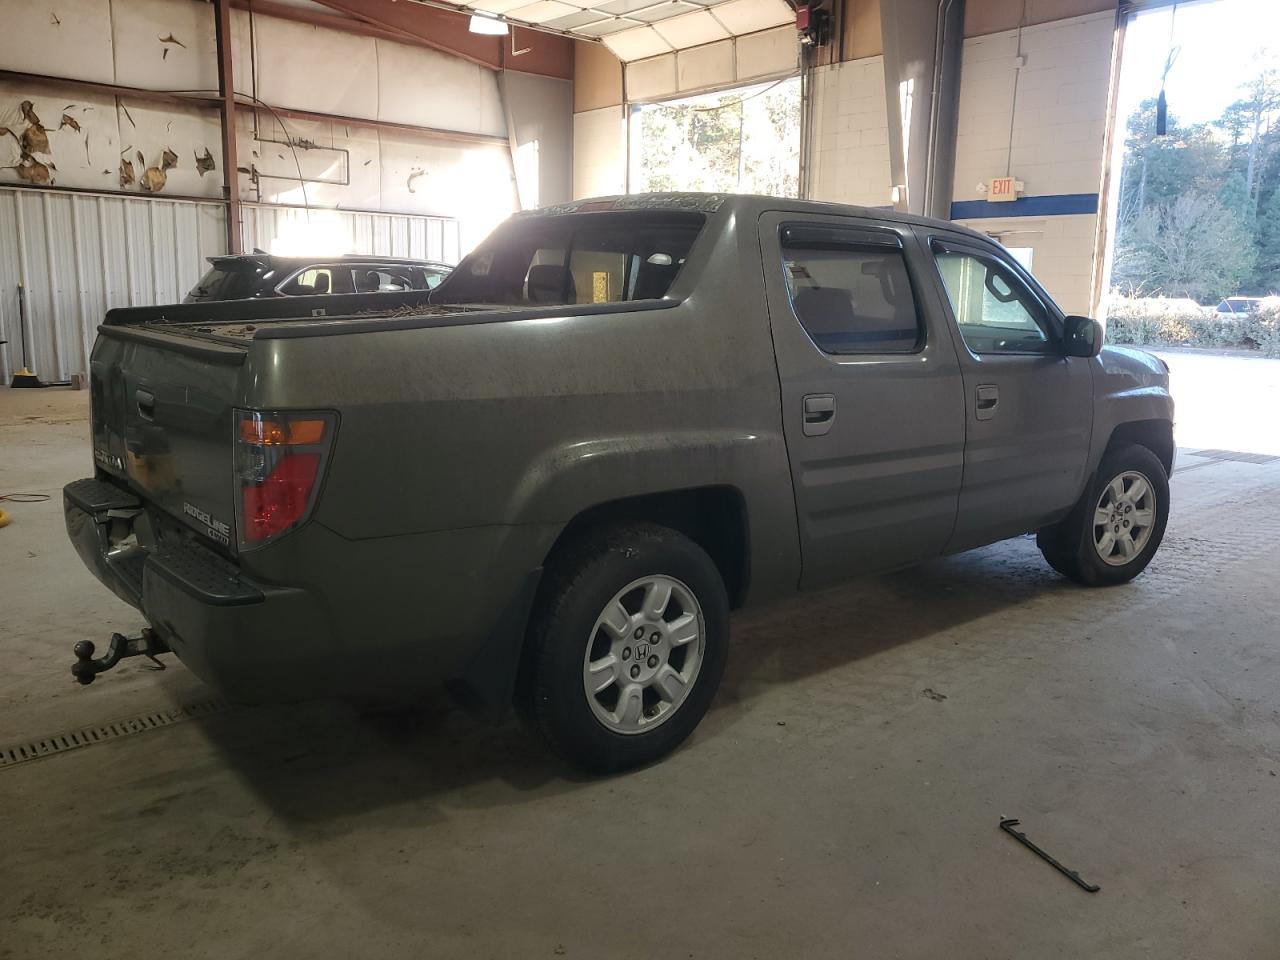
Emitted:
<point x="814" y="235"/>
<point x="335" y="271"/>
<point x="574" y="223"/>
<point x="428" y="273"/>
<point x="412" y="275"/>
<point x="1050" y="320"/>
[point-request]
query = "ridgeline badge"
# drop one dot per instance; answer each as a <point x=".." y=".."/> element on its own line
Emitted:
<point x="216" y="529"/>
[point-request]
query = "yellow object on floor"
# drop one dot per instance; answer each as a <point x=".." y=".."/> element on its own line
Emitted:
<point x="5" y="519"/>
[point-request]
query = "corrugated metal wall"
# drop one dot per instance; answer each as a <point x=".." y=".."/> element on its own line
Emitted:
<point x="380" y="234"/>
<point x="78" y="255"/>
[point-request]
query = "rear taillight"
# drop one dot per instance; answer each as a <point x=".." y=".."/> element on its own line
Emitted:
<point x="280" y="460"/>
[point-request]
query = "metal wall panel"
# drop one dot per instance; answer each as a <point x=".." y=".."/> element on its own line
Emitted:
<point x="382" y="234"/>
<point x="78" y="254"/>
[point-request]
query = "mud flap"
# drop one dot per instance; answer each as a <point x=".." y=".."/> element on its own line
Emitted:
<point x="488" y="683"/>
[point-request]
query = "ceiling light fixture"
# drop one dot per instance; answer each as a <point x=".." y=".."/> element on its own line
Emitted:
<point x="487" y="24"/>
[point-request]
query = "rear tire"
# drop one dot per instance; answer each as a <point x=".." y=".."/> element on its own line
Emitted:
<point x="1116" y="528"/>
<point x="626" y="648"/>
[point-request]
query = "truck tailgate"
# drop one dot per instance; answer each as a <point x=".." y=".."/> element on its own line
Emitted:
<point x="163" y="412"/>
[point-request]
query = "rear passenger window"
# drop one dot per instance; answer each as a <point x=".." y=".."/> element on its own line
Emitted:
<point x="310" y="282"/>
<point x="382" y="279"/>
<point x="851" y="298"/>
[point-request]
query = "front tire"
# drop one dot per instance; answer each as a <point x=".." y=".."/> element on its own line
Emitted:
<point x="1116" y="528"/>
<point x="627" y="647"/>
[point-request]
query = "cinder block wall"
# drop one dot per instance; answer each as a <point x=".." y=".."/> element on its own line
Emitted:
<point x="850" y="140"/>
<point x="599" y="152"/>
<point x="1050" y="135"/>
<point x="599" y="130"/>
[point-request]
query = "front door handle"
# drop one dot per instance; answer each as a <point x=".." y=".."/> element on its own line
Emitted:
<point x="819" y="413"/>
<point x="988" y="399"/>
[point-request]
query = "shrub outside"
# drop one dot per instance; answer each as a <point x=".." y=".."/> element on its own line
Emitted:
<point x="1170" y="322"/>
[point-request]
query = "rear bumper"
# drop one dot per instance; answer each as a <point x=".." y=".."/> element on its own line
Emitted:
<point x="253" y="642"/>
<point x="369" y="619"/>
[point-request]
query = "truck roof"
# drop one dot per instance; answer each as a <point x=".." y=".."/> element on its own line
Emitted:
<point x="742" y="204"/>
<point x="302" y="261"/>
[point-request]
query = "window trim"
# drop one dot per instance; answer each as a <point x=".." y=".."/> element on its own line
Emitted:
<point x="813" y="235"/>
<point x="1049" y="321"/>
<point x="386" y="267"/>
<point x="706" y="236"/>
<point x="333" y="268"/>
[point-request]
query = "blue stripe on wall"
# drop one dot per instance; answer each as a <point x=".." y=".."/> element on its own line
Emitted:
<point x="1051" y="206"/>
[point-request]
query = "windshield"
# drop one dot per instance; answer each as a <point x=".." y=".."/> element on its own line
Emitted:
<point x="578" y="258"/>
<point x="228" y="280"/>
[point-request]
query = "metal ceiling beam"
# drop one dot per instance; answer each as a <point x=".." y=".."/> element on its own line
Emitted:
<point x="444" y="27"/>
<point x="1141" y="6"/>
<point x="211" y="99"/>
<point x="353" y="25"/>
<point x="433" y="133"/>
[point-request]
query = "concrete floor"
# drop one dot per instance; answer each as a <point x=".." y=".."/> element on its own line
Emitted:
<point x="841" y="799"/>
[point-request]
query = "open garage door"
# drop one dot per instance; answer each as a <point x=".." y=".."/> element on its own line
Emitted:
<point x="1192" y="268"/>
<point x="741" y="141"/>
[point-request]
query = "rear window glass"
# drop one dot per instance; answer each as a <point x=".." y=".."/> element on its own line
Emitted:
<point x="312" y="282"/>
<point x="588" y="258"/>
<point x="233" y="280"/>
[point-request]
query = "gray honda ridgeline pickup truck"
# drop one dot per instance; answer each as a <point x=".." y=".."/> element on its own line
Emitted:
<point x="615" y="422"/>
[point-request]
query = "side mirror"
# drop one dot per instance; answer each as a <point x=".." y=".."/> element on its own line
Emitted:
<point x="1081" y="337"/>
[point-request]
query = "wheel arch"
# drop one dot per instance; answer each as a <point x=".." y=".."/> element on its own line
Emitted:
<point x="1155" y="434"/>
<point x="714" y="517"/>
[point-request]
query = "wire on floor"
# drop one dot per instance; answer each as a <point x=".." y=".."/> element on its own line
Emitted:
<point x="5" y="517"/>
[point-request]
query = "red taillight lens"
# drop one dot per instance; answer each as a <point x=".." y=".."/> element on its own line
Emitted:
<point x="281" y="500"/>
<point x="279" y="463"/>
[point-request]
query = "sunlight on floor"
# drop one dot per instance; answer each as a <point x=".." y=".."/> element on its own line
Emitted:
<point x="1228" y="402"/>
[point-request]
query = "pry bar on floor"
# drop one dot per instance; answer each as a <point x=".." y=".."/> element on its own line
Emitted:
<point x="1008" y="825"/>
<point x="86" y="668"/>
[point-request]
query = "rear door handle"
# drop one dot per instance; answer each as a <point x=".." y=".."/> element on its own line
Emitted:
<point x="819" y="413"/>
<point x="146" y="403"/>
<point x="988" y="398"/>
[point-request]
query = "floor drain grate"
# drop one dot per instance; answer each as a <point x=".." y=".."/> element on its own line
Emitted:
<point x="88" y="736"/>
<point x="1235" y="455"/>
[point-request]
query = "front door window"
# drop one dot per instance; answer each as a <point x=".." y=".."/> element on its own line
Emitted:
<point x="994" y="310"/>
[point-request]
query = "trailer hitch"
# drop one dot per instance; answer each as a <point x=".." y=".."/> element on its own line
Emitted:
<point x="86" y="669"/>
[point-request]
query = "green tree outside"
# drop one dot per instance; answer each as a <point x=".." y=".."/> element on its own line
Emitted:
<point x="1199" y="208"/>
<point x="735" y="142"/>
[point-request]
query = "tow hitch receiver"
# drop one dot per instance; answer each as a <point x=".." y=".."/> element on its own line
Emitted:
<point x="86" y="668"/>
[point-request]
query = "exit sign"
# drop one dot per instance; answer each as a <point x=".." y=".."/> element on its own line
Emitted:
<point x="1003" y="190"/>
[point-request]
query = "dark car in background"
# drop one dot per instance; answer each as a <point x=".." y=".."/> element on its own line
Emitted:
<point x="250" y="275"/>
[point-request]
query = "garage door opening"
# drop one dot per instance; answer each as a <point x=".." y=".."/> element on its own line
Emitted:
<point x="1193" y="264"/>
<point x="745" y="140"/>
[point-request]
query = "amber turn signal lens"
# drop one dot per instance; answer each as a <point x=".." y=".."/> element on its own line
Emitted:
<point x="274" y="433"/>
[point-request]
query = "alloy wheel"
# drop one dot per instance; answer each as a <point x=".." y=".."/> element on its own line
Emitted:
<point x="1124" y="518"/>
<point x="644" y="654"/>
